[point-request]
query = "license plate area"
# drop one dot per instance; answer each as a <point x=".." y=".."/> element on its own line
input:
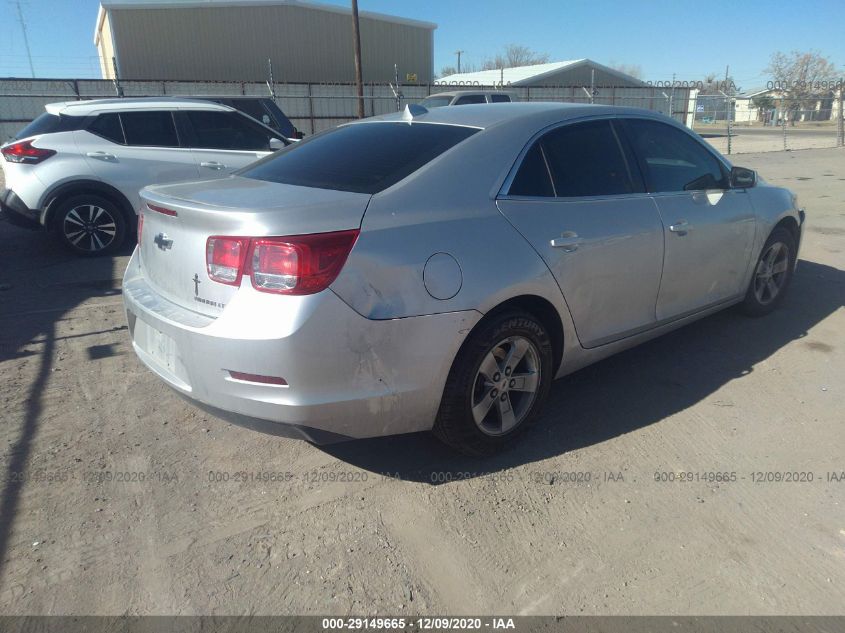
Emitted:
<point x="161" y="350"/>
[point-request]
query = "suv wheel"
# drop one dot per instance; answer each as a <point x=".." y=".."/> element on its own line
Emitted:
<point x="89" y="225"/>
<point x="497" y="384"/>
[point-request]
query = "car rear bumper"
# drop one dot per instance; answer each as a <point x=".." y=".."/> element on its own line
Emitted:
<point x="347" y="376"/>
<point x="16" y="212"/>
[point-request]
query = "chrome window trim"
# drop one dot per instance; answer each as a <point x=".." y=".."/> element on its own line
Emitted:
<point x="508" y="181"/>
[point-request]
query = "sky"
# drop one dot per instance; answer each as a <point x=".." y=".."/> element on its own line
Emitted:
<point x="662" y="37"/>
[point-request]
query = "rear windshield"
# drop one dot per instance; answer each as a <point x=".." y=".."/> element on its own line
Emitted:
<point x="48" y="123"/>
<point x="363" y="157"/>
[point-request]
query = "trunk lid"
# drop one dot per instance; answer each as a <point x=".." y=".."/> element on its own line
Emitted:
<point x="172" y="250"/>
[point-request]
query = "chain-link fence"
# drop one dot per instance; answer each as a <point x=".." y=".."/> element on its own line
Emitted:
<point x="736" y="124"/>
<point x="731" y="123"/>
<point x="314" y="107"/>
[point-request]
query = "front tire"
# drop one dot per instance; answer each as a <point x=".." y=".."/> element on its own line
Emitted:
<point x="89" y="225"/>
<point x="772" y="274"/>
<point x="499" y="381"/>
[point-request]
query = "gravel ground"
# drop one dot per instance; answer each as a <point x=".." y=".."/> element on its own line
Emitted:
<point x="120" y="498"/>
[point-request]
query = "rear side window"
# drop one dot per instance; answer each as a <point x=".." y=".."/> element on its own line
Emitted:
<point x="226" y="130"/>
<point x="435" y="102"/>
<point x="500" y="99"/>
<point x="533" y="178"/>
<point x="253" y="108"/>
<point x="584" y="159"/>
<point x="108" y="126"/>
<point x="466" y="99"/>
<point x="362" y="157"/>
<point x="673" y="160"/>
<point x="48" y="123"/>
<point x="149" y="129"/>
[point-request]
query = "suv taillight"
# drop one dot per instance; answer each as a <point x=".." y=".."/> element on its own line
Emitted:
<point x="297" y="265"/>
<point x="25" y="152"/>
<point x="140" y="226"/>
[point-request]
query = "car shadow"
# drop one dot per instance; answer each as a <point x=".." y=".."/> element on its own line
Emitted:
<point x="39" y="284"/>
<point x="628" y="391"/>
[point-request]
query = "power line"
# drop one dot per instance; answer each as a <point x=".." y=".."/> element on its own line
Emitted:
<point x="17" y="3"/>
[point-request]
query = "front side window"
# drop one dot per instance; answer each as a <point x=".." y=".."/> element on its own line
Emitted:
<point x="500" y="99"/>
<point x="673" y="160"/>
<point x="467" y="99"/>
<point x="361" y="157"/>
<point x="226" y="130"/>
<point x="584" y="159"/>
<point x="149" y="129"/>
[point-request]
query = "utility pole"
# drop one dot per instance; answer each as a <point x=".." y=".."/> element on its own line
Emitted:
<point x="459" y="53"/>
<point x="25" y="37"/>
<point x="359" y="78"/>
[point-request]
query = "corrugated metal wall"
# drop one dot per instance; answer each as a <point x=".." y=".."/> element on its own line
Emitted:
<point x="220" y="43"/>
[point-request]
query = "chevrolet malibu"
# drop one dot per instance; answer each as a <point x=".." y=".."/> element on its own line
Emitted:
<point x="436" y="270"/>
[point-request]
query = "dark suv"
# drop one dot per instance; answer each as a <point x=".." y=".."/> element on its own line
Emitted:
<point x="262" y="109"/>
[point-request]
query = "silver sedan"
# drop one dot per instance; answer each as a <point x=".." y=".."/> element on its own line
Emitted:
<point x="437" y="270"/>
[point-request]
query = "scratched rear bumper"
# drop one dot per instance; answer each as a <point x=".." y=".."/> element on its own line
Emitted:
<point x="347" y="376"/>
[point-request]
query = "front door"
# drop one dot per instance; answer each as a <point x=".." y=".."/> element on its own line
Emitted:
<point x="222" y="142"/>
<point x="709" y="228"/>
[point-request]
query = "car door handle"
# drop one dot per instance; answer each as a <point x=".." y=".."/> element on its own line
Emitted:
<point x="568" y="241"/>
<point x="681" y="228"/>
<point x="101" y="155"/>
<point x="213" y="165"/>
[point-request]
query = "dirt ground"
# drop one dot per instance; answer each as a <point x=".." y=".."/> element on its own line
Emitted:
<point x="758" y="138"/>
<point x="120" y="498"/>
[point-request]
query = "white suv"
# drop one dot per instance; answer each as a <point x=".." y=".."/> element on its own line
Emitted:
<point x="76" y="170"/>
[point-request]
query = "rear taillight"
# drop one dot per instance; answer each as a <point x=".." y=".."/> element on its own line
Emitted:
<point x="224" y="257"/>
<point x="25" y="152"/>
<point x="140" y="227"/>
<point x="297" y="265"/>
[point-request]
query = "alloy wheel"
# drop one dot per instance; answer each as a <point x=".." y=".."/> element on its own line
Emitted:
<point x="89" y="227"/>
<point x="771" y="273"/>
<point x="506" y="385"/>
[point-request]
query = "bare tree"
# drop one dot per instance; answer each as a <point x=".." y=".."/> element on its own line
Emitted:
<point x="629" y="69"/>
<point x="466" y="67"/>
<point x="515" y="55"/>
<point x="804" y="77"/>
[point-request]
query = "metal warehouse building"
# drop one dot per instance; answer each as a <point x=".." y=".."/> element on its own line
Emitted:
<point x="231" y="40"/>
<point x="576" y="72"/>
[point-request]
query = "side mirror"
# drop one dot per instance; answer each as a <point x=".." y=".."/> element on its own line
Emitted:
<point x="742" y="178"/>
<point x="276" y="144"/>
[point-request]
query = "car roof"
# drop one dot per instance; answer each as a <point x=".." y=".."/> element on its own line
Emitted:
<point x="490" y="114"/>
<point x="84" y="108"/>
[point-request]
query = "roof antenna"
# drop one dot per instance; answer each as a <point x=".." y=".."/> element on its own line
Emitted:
<point x="413" y="110"/>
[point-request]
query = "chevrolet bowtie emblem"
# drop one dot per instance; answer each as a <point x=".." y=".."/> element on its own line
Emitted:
<point x="163" y="242"/>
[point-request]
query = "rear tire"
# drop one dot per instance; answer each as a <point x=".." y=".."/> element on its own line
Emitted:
<point x="89" y="225"/>
<point x="498" y="382"/>
<point x="772" y="274"/>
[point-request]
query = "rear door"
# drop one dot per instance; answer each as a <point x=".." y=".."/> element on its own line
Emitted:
<point x="223" y="141"/>
<point x="130" y="150"/>
<point x="709" y="228"/>
<point x="578" y="198"/>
